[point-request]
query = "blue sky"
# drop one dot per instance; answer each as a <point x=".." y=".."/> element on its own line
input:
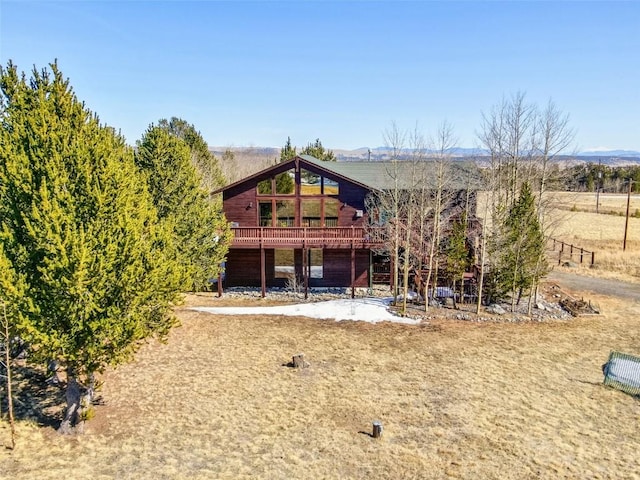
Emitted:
<point x="254" y="73"/>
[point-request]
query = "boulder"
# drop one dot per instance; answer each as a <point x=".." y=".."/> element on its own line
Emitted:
<point x="496" y="309"/>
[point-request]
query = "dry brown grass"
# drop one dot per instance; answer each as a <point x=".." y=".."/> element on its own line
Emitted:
<point x="608" y="203"/>
<point x="457" y="400"/>
<point x="601" y="233"/>
<point x="574" y="221"/>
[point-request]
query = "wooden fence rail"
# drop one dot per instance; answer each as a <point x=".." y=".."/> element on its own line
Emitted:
<point x="565" y="249"/>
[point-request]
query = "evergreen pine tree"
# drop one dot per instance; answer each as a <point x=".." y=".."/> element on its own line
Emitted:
<point x="525" y="245"/>
<point x="201" y="231"/>
<point x="456" y="251"/>
<point x="288" y="151"/>
<point x="79" y="228"/>
<point x="284" y="182"/>
<point x="316" y="150"/>
<point x="202" y="159"/>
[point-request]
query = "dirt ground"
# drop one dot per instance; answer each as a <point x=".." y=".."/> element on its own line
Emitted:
<point x="457" y="399"/>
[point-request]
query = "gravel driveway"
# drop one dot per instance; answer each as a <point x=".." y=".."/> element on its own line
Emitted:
<point x="601" y="286"/>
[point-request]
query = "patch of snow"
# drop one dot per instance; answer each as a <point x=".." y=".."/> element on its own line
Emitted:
<point x="371" y="310"/>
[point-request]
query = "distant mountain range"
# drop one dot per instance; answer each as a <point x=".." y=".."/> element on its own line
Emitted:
<point x="610" y="153"/>
<point x="609" y="157"/>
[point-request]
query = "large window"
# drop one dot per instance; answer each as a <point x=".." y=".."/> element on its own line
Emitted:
<point x="265" y="187"/>
<point x="285" y="213"/>
<point x="330" y="187"/>
<point x="282" y="184"/>
<point x="266" y="214"/>
<point x="331" y="211"/>
<point x="311" y="212"/>
<point x="314" y="184"/>
<point x="314" y="215"/>
<point x="310" y="183"/>
<point x="317" y="202"/>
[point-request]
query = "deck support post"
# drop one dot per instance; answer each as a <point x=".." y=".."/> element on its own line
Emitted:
<point x="370" y="272"/>
<point x="306" y="265"/>
<point x="353" y="271"/>
<point x="263" y="274"/>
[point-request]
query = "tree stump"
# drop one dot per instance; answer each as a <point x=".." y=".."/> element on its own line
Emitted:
<point x="299" y="361"/>
<point x="377" y="429"/>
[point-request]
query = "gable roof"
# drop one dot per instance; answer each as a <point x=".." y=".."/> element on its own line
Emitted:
<point x="381" y="175"/>
<point x="284" y="166"/>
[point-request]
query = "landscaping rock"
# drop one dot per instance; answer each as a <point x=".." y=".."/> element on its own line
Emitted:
<point x="496" y="309"/>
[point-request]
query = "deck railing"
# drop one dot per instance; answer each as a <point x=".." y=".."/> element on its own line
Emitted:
<point x="298" y="236"/>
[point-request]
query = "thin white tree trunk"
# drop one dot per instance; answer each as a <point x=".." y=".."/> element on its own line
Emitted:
<point x="7" y="360"/>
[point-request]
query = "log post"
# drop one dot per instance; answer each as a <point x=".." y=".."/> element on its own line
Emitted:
<point x="306" y="268"/>
<point x="377" y="429"/>
<point x="353" y="267"/>
<point x="263" y="274"/>
<point x="299" y="361"/>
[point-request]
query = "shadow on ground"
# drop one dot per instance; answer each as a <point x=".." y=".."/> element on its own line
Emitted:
<point x="34" y="398"/>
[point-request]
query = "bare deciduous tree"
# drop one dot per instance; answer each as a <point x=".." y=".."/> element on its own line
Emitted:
<point x="441" y="144"/>
<point x="5" y="364"/>
<point x="554" y="136"/>
<point x="390" y="199"/>
<point x="522" y="141"/>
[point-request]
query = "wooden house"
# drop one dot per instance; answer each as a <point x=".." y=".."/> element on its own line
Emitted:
<point x="302" y="223"/>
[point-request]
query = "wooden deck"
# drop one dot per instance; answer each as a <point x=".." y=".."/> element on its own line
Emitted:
<point x="299" y="237"/>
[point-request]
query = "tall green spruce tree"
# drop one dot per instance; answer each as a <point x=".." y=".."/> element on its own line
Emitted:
<point x="284" y="182"/>
<point x="205" y="162"/>
<point x="316" y="150"/>
<point x="78" y="227"/>
<point x="523" y="247"/>
<point x="288" y="151"/>
<point x="202" y="234"/>
<point x="457" y="253"/>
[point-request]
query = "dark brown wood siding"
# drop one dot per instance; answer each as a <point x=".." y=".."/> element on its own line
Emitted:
<point x="240" y="205"/>
<point x="352" y="198"/>
<point x="243" y="268"/>
<point x="337" y="269"/>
